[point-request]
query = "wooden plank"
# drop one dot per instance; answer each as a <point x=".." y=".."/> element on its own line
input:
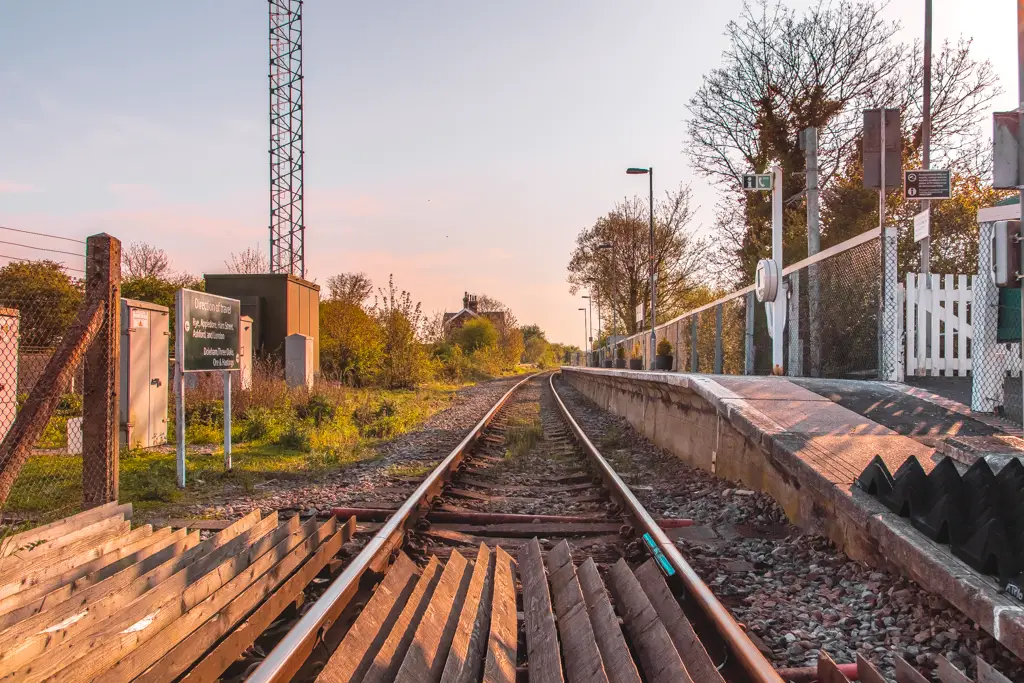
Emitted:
<point x="16" y="565"/>
<point x="986" y="674"/>
<point x="949" y="321"/>
<point x="85" y="550"/>
<point x="500" y="666"/>
<point x="618" y="662"/>
<point x="904" y="672"/>
<point x="465" y="657"/>
<point x="206" y="524"/>
<point x="171" y="544"/>
<point x="695" y="657"/>
<point x="935" y="360"/>
<point x="910" y="302"/>
<point x="923" y="306"/>
<point x="44" y="579"/>
<point x="963" y="295"/>
<point x="52" y="628"/>
<point x="147" y="559"/>
<point x="527" y="530"/>
<point x="228" y="650"/>
<point x="355" y="653"/>
<point x="542" y="653"/>
<point x="425" y="659"/>
<point x="83" y="658"/>
<point x="259" y="578"/>
<point x="658" y="657"/>
<point x="949" y="673"/>
<point x="390" y="655"/>
<point x="63" y="527"/>
<point x="828" y="672"/>
<point x="579" y="646"/>
<point x="866" y="673"/>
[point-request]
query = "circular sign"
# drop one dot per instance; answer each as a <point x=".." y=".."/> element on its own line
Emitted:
<point x="766" y="280"/>
<point x="912" y="177"/>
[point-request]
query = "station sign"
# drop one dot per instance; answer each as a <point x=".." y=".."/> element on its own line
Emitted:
<point x="926" y="184"/>
<point x="208" y="337"/>
<point x="754" y="182"/>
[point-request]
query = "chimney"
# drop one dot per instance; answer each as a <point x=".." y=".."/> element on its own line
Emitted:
<point x="471" y="302"/>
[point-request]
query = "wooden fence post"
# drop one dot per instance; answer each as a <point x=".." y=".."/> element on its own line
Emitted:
<point x="100" y="406"/>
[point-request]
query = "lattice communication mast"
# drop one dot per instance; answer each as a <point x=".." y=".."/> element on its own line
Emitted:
<point x="287" y="228"/>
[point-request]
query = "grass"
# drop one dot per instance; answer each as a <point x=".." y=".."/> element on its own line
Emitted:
<point x="521" y="435"/>
<point x="297" y="436"/>
<point x="409" y="470"/>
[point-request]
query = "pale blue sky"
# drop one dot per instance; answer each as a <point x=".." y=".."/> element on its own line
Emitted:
<point x="460" y="145"/>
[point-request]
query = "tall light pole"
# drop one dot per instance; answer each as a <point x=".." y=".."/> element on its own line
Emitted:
<point x="611" y="296"/>
<point x="590" y="327"/>
<point x="650" y="174"/>
<point x="585" y="333"/>
<point x="926" y="126"/>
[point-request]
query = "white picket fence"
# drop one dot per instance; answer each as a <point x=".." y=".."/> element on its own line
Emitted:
<point x="938" y="344"/>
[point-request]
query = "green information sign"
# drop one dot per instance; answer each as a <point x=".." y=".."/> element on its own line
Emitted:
<point x="1008" y="330"/>
<point x="207" y="334"/>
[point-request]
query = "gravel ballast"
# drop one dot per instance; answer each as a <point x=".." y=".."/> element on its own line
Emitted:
<point x="795" y="592"/>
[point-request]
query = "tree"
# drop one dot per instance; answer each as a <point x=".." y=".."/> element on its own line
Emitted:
<point x="532" y="331"/>
<point x="405" y="363"/>
<point x="510" y="339"/>
<point x="351" y="343"/>
<point x="160" y="291"/>
<point x="44" y="296"/>
<point x="476" y="334"/>
<point x="678" y="257"/>
<point x="355" y="288"/>
<point x="141" y="260"/>
<point x="250" y="261"/>
<point x="784" y="72"/>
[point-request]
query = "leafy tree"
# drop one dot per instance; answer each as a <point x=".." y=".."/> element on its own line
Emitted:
<point x="476" y="334"/>
<point x="45" y="297"/>
<point x="405" y="363"/>
<point x="141" y="260"/>
<point x="160" y="291"/>
<point x="678" y="257"/>
<point x="354" y="288"/>
<point x="351" y="343"/>
<point x="531" y="331"/>
<point x="536" y="348"/>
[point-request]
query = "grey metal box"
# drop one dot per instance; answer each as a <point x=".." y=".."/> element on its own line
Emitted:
<point x="144" y="367"/>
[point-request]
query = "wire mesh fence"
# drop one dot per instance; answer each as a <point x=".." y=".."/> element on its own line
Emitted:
<point x="834" y="325"/>
<point x="52" y="331"/>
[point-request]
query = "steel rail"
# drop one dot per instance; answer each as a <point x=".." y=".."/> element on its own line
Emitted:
<point x="740" y="646"/>
<point x="289" y="655"/>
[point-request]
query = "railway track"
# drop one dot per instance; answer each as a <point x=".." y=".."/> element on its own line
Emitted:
<point x="525" y="518"/>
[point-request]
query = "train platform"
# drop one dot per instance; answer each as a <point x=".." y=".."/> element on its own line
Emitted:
<point x="806" y="441"/>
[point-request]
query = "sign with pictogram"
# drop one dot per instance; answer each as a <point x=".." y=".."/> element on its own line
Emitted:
<point x="926" y="184"/>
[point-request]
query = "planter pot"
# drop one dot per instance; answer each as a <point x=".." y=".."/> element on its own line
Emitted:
<point x="620" y="362"/>
<point x="606" y="364"/>
<point x="663" y="362"/>
<point x="636" y="363"/>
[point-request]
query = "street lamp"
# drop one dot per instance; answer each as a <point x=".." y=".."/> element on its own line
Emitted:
<point x="650" y="173"/>
<point x="602" y="247"/>
<point x="585" y="332"/>
<point x="590" y="327"/>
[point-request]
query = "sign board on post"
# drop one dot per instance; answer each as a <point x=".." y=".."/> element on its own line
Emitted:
<point x="926" y="184"/>
<point x="207" y="339"/>
<point x="922" y="225"/>
<point x="754" y="182"/>
<point x="1006" y="126"/>
<point x="872" y="149"/>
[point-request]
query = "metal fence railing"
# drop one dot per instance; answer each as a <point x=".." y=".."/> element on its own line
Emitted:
<point x="836" y="323"/>
<point x="58" y="386"/>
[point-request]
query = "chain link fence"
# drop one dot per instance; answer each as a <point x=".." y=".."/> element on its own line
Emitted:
<point x="58" y="389"/>
<point x="834" y="322"/>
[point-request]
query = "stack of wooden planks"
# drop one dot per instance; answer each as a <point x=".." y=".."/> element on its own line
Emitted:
<point x="88" y="598"/>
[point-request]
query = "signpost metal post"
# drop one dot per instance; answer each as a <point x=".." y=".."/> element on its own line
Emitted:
<point x="207" y="339"/>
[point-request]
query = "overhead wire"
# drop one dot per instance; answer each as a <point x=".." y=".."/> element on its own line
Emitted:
<point x="42" y="234"/>
<point x="18" y="258"/>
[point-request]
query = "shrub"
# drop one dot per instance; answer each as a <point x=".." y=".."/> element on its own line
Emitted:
<point x="70" y="405"/>
<point x="205" y="412"/>
<point x="636" y="351"/>
<point x="351" y="343"/>
<point x="296" y="437"/>
<point x="664" y="348"/>
<point x="259" y="423"/>
<point x="620" y="353"/>
<point x="476" y="334"/>
<point x="317" y="408"/>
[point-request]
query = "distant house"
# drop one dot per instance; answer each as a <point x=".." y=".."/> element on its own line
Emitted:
<point x="455" y="321"/>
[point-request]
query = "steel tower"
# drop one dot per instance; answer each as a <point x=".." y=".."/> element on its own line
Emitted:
<point x="287" y="228"/>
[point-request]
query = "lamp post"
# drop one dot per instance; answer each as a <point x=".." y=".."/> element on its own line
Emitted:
<point x="585" y="334"/>
<point x="650" y="174"/>
<point x="590" y="327"/>
<point x="611" y="297"/>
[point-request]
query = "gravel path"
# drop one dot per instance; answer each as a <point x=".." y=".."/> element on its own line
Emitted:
<point x="381" y="481"/>
<point x="795" y="592"/>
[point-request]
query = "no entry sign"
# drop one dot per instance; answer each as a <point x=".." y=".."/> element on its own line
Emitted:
<point x="926" y="184"/>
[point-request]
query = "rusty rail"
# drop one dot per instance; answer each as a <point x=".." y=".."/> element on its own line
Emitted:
<point x="286" y="659"/>
<point x="740" y="646"/>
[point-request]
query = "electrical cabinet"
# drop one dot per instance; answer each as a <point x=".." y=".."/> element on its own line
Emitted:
<point x="145" y="335"/>
<point x="9" y="323"/>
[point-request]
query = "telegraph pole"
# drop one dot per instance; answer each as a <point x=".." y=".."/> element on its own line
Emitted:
<point x="926" y="127"/>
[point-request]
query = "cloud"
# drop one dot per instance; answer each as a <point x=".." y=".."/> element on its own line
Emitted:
<point x="7" y="187"/>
